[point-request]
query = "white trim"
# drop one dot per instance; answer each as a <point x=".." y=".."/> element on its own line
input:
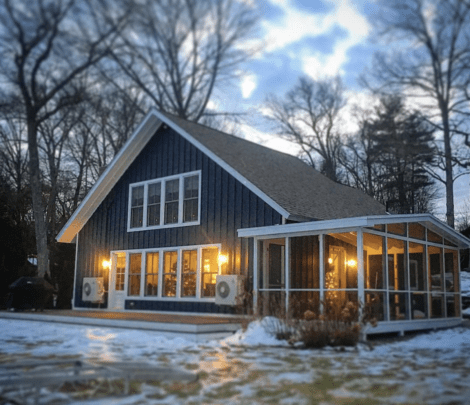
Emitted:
<point x="134" y="145"/>
<point x="75" y="272"/>
<point x="336" y="225"/>
<point x="163" y="180"/>
<point x="179" y="250"/>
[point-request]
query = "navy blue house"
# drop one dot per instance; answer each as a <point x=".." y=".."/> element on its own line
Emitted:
<point x="182" y="205"/>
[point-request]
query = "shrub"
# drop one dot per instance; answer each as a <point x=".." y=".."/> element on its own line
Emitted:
<point x="340" y="325"/>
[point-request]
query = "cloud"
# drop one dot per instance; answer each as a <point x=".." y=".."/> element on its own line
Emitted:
<point x="296" y="25"/>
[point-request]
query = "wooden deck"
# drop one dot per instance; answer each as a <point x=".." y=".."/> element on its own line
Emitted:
<point x="193" y="327"/>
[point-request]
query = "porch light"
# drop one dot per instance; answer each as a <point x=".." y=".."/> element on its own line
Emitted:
<point x="330" y="260"/>
<point x="351" y="263"/>
<point x="106" y="264"/>
<point x="222" y="259"/>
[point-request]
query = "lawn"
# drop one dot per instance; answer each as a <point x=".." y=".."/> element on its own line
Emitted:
<point x="253" y="367"/>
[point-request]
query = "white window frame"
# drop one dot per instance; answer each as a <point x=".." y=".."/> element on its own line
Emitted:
<point x="161" y="251"/>
<point x="181" y="177"/>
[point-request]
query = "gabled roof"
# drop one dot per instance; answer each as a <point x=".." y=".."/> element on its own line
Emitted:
<point x="290" y="186"/>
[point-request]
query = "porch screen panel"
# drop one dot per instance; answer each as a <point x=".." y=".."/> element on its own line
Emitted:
<point x="418" y="280"/>
<point x="397" y="268"/>
<point x="137" y="206"/>
<point x="170" y="265"/>
<point x="341" y="260"/>
<point x="374" y="275"/>
<point x="189" y="273"/>
<point x="305" y="262"/>
<point x="436" y="275"/>
<point x="451" y="270"/>
<point x="151" y="274"/>
<point x="209" y="271"/>
<point x="417" y="262"/>
<point x="374" y="261"/>
<point x="135" y="264"/>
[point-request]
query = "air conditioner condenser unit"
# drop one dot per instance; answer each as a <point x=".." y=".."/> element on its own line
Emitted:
<point x="228" y="288"/>
<point x="93" y="289"/>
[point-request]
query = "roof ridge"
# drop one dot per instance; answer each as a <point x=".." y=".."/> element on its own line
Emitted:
<point x="172" y="116"/>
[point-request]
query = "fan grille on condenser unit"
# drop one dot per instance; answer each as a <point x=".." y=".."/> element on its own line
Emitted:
<point x="223" y="289"/>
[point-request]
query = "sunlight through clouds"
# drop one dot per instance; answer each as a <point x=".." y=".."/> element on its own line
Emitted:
<point x="296" y="25"/>
<point x="248" y="85"/>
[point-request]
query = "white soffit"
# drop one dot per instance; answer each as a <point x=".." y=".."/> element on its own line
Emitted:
<point x="335" y="225"/>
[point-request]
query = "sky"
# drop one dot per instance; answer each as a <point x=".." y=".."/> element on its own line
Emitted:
<point x="318" y="39"/>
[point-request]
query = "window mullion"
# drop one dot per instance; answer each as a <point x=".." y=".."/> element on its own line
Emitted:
<point x="180" y="199"/>
<point x="178" y="272"/>
<point x="144" y="208"/>
<point x="198" y="273"/>
<point x="163" y="203"/>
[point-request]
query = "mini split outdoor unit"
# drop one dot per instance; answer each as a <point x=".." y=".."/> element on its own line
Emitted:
<point x="93" y="289"/>
<point x="227" y="288"/>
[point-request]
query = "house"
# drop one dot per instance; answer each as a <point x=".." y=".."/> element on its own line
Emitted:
<point x="182" y="205"/>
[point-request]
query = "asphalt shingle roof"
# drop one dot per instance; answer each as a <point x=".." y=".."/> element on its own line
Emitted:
<point x="297" y="187"/>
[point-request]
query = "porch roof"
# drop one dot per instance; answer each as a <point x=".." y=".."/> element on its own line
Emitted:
<point x="335" y="225"/>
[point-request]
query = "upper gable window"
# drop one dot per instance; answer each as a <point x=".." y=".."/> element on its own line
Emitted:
<point x="166" y="202"/>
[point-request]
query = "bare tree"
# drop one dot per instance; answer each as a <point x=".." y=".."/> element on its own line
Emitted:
<point x="45" y="46"/>
<point x="178" y="51"/>
<point x="309" y="116"/>
<point x="432" y="67"/>
<point x="13" y="149"/>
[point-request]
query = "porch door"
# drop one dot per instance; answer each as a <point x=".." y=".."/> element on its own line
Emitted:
<point x="117" y="290"/>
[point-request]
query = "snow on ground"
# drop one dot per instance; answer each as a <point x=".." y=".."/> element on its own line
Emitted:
<point x="465" y="283"/>
<point x="253" y="367"/>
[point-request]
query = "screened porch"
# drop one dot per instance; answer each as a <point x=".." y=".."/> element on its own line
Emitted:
<point x="402" y="269"/>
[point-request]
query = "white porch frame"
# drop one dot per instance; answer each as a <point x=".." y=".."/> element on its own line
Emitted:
<point x="358" y="225"/>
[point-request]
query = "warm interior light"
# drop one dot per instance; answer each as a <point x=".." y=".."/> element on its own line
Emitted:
<point x="330" y="260"/>
<point x="106" y="264"/>
<point x="222" y="259"/>
<point x="352" y="263"/>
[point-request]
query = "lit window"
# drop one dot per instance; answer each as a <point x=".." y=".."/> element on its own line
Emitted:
<point x="135" y="260"/>
<point x="189" y="273"/>
<point x="170" y="265"/>
<point x="151" y="274"/>
<point x="209" y="271"/>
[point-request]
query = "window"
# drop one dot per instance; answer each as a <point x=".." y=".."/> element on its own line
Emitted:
<point x="135" y="260"/>
<point x="120" y="272"/>
<point x="209" y="270"/>
<point x="151" y="274"/>
<point x="191" y="197"/>
<point x="137" y="206"/>
<point x="180" y="273"/>
<point x="153" y="204"/>
<point x="170" y="201"/>
<point x="189" y="273"/>
<point x="170" y="264"/>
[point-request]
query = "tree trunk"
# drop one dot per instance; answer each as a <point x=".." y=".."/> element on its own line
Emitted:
<point x="449" y="174"/>
<point x="36" y="196"/>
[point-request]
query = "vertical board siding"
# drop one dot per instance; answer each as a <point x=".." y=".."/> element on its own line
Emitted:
<point x="226" y="206"/>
